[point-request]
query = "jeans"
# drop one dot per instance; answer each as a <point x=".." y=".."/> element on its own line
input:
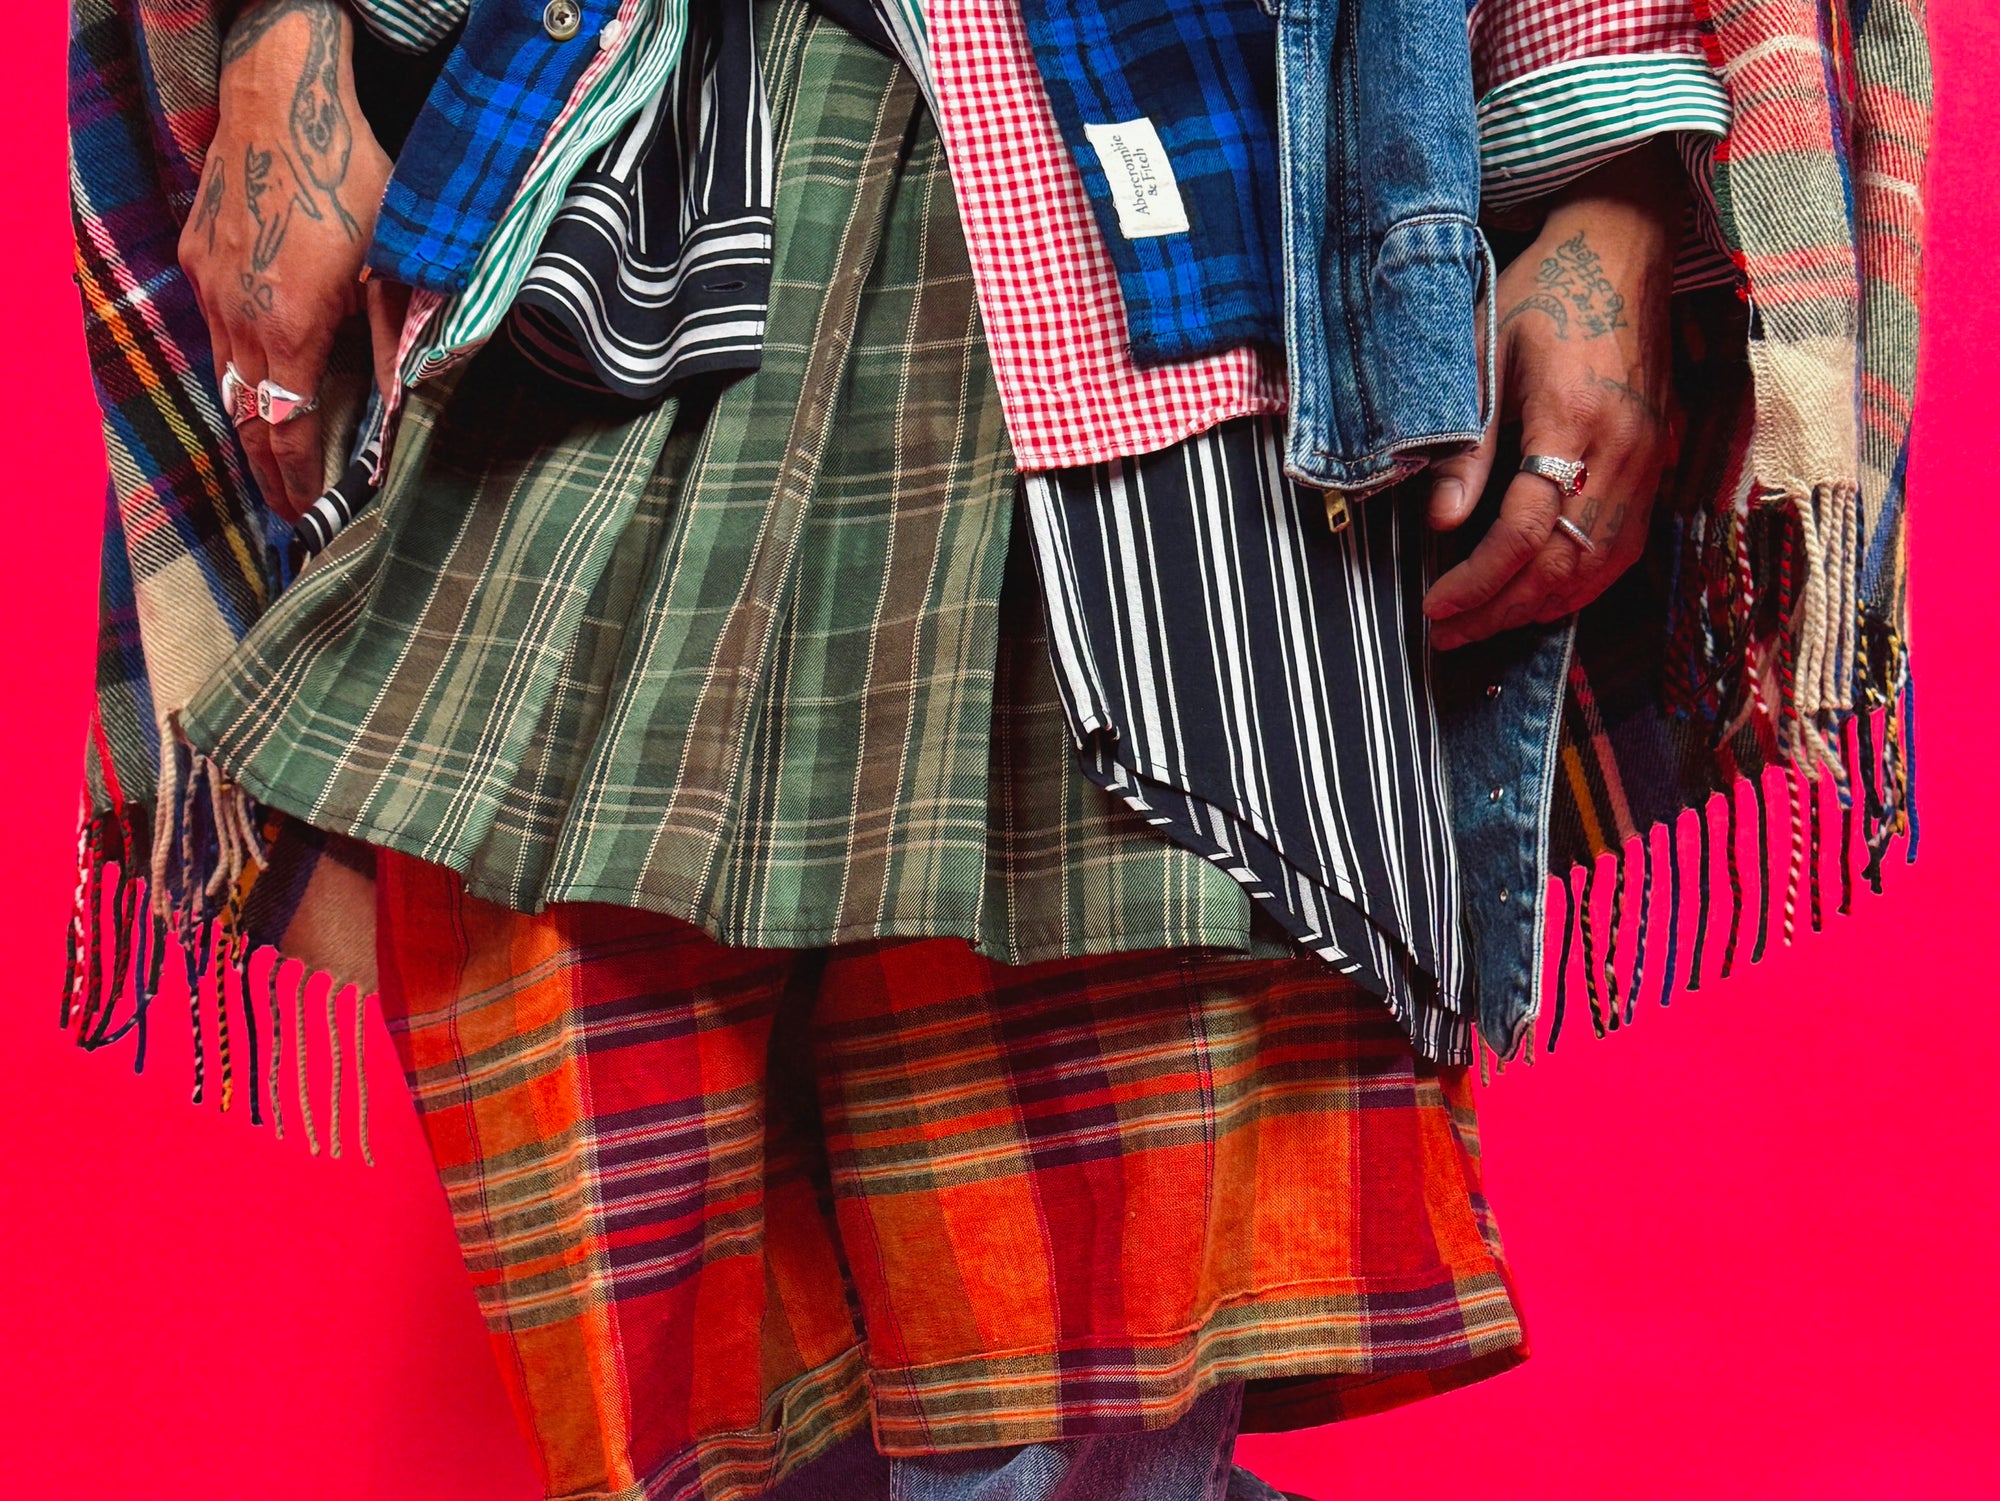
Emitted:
<point x="1385" y="267"/>
<point x="1186" y="1461"/>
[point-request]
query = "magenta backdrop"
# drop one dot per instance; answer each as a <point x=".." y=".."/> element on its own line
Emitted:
<point x="1755" y="1236"/>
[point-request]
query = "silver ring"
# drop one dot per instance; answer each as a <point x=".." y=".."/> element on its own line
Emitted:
<point x="239" y="397"/>
<point x="1576" y="534"/>
<point x="276" y="405"/>
<point x="1567" y="475"/>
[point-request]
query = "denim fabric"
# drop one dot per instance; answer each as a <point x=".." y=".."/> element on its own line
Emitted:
<point x="1499" y="706"/>
<point x="1204" y="74"/>
<point x="1386" y="267"/>
<point x="1187" y="1461"/>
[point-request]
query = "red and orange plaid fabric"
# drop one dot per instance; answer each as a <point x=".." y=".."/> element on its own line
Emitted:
<point x="721" y="1205"/>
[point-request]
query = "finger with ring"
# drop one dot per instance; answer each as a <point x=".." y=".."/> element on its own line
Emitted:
<point x="277" y="405"/>
<point x="1575" y="533"/>
<point x="1568" y="475"/>
<point x="239" y="396"/>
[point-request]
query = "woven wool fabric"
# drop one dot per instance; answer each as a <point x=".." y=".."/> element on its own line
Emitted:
<point x="1203" y="76"/>
<point x="742" y="665"/>
<point x="707" y="1236"/>
<point x="1776" y="596"/>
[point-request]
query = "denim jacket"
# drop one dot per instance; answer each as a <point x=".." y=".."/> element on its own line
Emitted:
<point x="1386" y="265"/>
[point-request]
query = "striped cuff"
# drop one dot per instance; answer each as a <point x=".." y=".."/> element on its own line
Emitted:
<point x="1543" y="130"/>
<point x="411" y="25"/>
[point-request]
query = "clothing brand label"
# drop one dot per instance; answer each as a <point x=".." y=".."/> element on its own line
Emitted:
<point x="1143" y="189"/>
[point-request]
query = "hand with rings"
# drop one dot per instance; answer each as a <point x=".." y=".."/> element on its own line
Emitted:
<point x="1583" y="366"/>
<point x="282" y="219"/>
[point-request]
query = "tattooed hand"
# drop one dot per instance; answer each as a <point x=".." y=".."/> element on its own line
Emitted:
<point x="282" y="219"/>
<point x="1583" y="366"/>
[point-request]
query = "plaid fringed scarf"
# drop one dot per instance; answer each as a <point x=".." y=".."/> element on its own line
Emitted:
<point x="1775" y="590"/>
<point x="1775" y="595"/>
<point x="187" y="567"/>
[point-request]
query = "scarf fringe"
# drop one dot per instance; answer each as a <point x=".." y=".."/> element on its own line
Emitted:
<point x="1870" y="771"/>
<point x="130" y="910"/>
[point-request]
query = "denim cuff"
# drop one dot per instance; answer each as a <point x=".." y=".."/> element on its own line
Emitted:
<point x="1422" y="392"/>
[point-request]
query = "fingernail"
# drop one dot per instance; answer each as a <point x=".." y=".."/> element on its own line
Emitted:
<point x="1447" y="496"/>
<point x="1439" y="609"/>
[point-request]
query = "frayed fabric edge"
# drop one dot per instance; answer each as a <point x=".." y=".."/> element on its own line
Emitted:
<point x="137" y="904"/>
<point x="1783" y="848"/>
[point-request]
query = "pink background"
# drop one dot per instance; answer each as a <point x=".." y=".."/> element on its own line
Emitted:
<point x="1755" y="1236"/>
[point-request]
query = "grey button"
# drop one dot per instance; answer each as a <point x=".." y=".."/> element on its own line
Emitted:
<point x="1495" y="795"/>
<point x="562" y="19"/>
<point x="1503" y="893"/>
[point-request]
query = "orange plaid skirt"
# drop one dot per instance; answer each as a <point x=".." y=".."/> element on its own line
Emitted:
<point x="722" y="1206"/>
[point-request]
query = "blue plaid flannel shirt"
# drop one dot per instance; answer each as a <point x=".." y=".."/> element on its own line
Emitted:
<point x="501" y="89"/>
<point x="1205" y="73"/>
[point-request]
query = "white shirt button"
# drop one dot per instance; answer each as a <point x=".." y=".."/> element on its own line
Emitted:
<point x="611" y="36"/>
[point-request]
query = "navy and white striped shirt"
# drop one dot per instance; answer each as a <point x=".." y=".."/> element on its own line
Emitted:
<point x="1258" y="687"/>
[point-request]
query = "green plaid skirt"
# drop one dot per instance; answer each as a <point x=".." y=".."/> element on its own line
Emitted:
<point x="772" y="666"/>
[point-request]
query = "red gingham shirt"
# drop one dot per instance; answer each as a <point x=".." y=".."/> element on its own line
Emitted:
<point x="1047" y="289"/>
<point x="1511" y="38"/>
<point x="1055" y="324"/>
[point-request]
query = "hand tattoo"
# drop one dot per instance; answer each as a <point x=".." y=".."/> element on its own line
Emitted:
<point x="1572" y="283"/>
<point x="210" y="212"/>
<point x="1626" y="391"/>
<point x="320" y="128"/>
<point x="322" y="134"/>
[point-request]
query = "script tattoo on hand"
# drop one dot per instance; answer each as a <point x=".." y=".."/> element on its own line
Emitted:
<point x="1571" y="284"/>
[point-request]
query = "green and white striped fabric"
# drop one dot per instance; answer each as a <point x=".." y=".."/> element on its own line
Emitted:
<point x="1543" y="129"/>
<point x="412" y="25"/>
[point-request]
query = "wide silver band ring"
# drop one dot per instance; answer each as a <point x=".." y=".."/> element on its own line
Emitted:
<point x="239" y="397"/>
<point x="1575" y="533"/>
<point x="1567" y="475"/>
<point x="276" y="405"/>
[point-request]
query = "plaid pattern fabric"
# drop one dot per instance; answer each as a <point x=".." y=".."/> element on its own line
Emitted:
<point x="1204" y="74"/>
<point x="1048" y="291"/>
<point x="488" y="117"/>
<point x="713" y="1199"/>
<point x="745" y="665"/>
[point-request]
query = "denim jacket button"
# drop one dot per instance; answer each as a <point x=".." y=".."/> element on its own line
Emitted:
<point x="1492" y="690"/>
<point x="562" y="19"/>
<point x="1503" y="893"/>
<point x="1496" y="794"/>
